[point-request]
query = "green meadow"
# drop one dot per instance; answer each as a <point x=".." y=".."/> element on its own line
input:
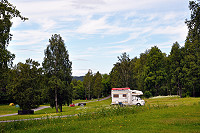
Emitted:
<point x="169" y="115"/>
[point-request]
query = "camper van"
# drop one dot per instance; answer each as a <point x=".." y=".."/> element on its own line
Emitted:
<point x="126" y="96"/>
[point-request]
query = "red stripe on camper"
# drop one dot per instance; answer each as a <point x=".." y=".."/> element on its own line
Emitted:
<point x="120" y="88"/>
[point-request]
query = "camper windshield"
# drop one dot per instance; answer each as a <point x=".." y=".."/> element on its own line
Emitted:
<point x="138" y="98"/>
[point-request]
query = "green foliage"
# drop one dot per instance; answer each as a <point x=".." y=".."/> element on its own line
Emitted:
<point x="7" y="12"/>
<point x="97" y="79"/>
<point x="106" y="84"/>
<point x="24" y="84"/>
<point x="121" y="74"/>
<point x="155" y="70"/>
<point x="97" y="85"/>
<point x="88" y="84"/>
<point x="78" y="89"/>
<point x="58" y="69"/>
<point x="192" y="51"/>
<point x="176" y="68"/>
<point x="56" y="87"/>
<point x="147" y="94"/>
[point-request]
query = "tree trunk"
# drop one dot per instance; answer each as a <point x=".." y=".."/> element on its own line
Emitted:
<point x="56" y="100"/>
<point x="180" y="92"/>
<point x="193" y="91"/>
<point x="89" y="93"/>
<point x="85" y="93"/>
<point x="60" y="108"/>
<point x="179" y="89"/>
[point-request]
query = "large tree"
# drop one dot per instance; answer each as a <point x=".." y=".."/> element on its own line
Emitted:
<point x="58" y="68"/>
<point x="139" y="71"/>
<point x="121" y="74"/>
<point x="192" y="50"/>
<point x="24" y="84"/>
<point x="7" y="12"/>
<point x="88" y="84"/>
<point x="97" y="79"/>
<point x="155" y="73"/>
<point x="106" y="85"/>
<point x="175" y="68"/>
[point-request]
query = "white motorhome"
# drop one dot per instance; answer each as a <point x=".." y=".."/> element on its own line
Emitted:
<point x="126" y="96"/>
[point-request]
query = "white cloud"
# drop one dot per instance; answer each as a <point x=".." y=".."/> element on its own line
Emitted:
<point x="118" y="49"/>
<point x="90" y="26"/>
<point x="29" y="37"/>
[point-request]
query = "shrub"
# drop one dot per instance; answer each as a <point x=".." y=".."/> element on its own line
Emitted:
<point x="147" y="94"/>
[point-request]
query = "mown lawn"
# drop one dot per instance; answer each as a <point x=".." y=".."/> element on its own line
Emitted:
<point x="6" y="109"/>
<point x="179" y="115"/>
<point x="49" y="112"/>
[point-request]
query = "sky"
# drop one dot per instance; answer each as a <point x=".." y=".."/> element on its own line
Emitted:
<point x="96" y="32"/>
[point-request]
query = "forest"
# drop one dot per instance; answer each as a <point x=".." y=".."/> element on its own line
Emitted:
<point x="155" y="73"/>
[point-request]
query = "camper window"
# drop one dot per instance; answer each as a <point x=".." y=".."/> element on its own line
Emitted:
<point x="115" y="95"/>
<point x="124" y="95"/>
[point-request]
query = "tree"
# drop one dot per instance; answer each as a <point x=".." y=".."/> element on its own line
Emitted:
<point x="121" y="74"/>
<point x="58" y="68"/>
<point x="140" y="67"/>
<point x="192" y="50"/>
<point x="25" y="84"/>
<point x="78" y="89"/>
<point x="175" y="68"/>
<point x="106" y="84"/>
<point x="97" y="90"/>
<point x="7" y="12"/>
<point x="57" y="87"/>
<point x="87" y="83"/>
<point x="155" y="73"/>
<point x="134" y="75"/>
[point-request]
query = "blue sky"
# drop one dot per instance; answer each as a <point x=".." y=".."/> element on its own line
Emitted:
<point x="97" y="31"/>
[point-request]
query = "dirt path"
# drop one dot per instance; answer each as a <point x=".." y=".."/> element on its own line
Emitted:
<point x="105" y="98"/>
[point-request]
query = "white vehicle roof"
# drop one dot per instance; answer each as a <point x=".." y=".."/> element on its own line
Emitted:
<point x="134" y="92"/>
<point x="137" y="92"/>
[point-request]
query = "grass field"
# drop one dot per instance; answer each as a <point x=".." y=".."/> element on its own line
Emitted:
<point x="49" y="112"/>
<point x="5" y="109"/>
<point x="158" y="115"/>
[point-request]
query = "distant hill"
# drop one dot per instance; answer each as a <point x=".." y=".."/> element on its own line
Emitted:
<point x="78" y="78"/>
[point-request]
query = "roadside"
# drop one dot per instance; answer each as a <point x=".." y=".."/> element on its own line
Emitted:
<point x="95" y="100"/>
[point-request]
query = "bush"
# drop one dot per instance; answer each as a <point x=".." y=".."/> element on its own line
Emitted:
<point x="147" y="94"/>
<point x="187" y="94"/>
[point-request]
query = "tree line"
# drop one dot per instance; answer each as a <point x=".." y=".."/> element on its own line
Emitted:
<point x="95" y="85"/>
<point x="155" y="73"/>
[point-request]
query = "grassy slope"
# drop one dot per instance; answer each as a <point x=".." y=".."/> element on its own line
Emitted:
<point x="180" y="115"/>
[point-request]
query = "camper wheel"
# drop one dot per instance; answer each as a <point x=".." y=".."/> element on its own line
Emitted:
<point x="138" y="104"/>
